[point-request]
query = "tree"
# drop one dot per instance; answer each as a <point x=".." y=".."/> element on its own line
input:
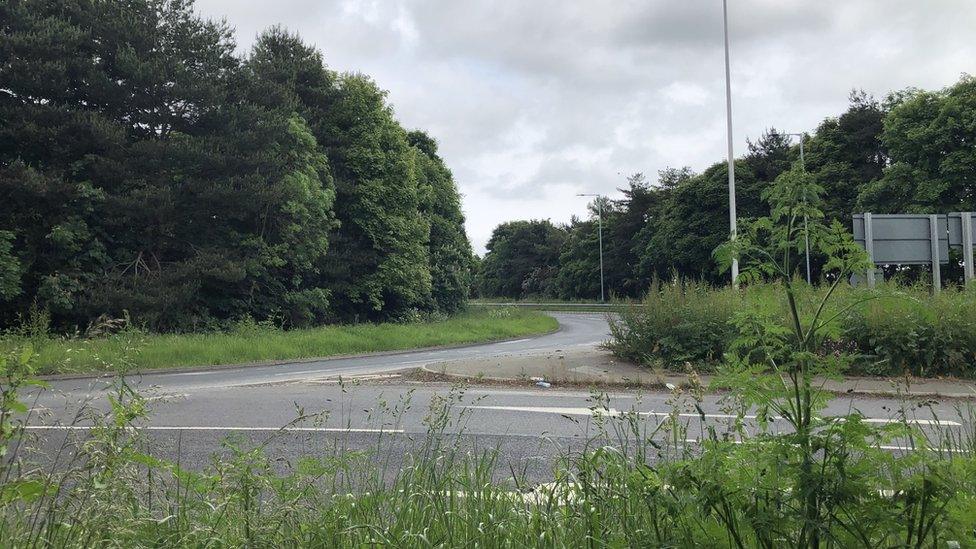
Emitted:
<point x="579" y="261"/>
<point x="929" y="136"/>
<point x="379" y="265"/>
<point x="10" y="268"/>
<point x="695" y="221"/>
<point x="522" y="259"/>
<point x="451" y="260"/>
<point x="846" y="153"/>
<point x="379" y="261"/>
<point x="166" y="193"/>
<point x="623" y="232"/>
<point x="769" y="156"/>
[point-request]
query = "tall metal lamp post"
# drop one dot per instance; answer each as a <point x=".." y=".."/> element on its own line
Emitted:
<point x="806" y="230"/>
<point x="599" y="217"/>
<point x="728" y="112"/>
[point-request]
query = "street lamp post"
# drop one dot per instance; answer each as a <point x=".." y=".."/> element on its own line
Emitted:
<point x="599" y="217"/>
<point x="728" y="111"/>
<point x="806" y="229"/>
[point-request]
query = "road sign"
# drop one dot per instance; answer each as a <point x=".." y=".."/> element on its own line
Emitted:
<point x="910" y="239"/>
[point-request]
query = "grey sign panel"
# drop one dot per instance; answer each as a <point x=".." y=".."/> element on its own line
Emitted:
<point x="903" y="239"/>
<point x="956" y="227"/>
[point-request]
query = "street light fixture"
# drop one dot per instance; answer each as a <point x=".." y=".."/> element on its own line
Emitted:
<point x="806" y="230"/>
<point x="599" y="217"/>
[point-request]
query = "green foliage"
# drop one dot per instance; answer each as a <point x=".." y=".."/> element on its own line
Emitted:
<point x="909" y="331"/>
<point x="771" y="367"/>
<point x="148" y="170"/>
<point x="891" y="330"/>
<point x="929" y="137"/>
<point x="10" y="268"/>
<point x="675" y="323"/>
<point x="847" y="153"/>
<point x="450" y="252"/>
<point x="579" y="262"/>
<point x="250" y="340"/>
<point x="522" y="259"/>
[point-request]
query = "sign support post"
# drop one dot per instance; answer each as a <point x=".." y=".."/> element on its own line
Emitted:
<point x="967" y="245"/>
<point x="869" y="246"/>
<point x="936" y="268"/>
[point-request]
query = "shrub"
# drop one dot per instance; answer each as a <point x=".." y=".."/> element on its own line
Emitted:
<point x="905" y="330"/>
<point x="892" y="330"/>
<point x="676" y="322"/>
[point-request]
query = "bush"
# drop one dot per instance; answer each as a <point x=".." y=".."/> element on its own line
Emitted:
<point x="904" y="330"/>
<point x="677" y="322"/>
<point x="893" y="330"/>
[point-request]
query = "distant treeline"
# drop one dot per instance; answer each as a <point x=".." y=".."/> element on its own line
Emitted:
<point x="146" y="169"/>
<point x="913" y="152"/>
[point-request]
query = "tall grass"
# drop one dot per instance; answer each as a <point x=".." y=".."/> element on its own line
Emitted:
<point x="636" y="483"/>
<point x="909" y="330"/>
<point x="251" y="342"/>
<point x="676" y="322"/>
<point x="892" y="329"/>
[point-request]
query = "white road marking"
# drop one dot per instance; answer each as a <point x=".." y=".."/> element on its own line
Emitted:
<point x="936" y="422"/>
<point x="223" y="428"/>
<point x="878" y="446"/>
<point x="516" y="341"/>
<point x="167" y="396"/>
<point x="581" y="411"/>
<point x="561" y="410"/>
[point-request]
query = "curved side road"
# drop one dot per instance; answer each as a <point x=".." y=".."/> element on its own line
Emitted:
<point x="194" y="412"/>
<point x="576" y="330"/>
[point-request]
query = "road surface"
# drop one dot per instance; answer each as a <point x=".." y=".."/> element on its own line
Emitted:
<point x="372" y="407"/>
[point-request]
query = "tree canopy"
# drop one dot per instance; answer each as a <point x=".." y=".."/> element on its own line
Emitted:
<point x="150" y="171"/>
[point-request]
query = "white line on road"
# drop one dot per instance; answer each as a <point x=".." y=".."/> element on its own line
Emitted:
<point x="223" y="428"/>
<point x="889" y="447"/>
<point x="516" y="341"/>
<point x="611" y="412"/>
<point x="167" y="396"/>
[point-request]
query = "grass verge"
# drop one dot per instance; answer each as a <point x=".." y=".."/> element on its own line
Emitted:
<point x="555" y="306"/>
<point x="889" y="331"/>
<point x="136" y="350"/>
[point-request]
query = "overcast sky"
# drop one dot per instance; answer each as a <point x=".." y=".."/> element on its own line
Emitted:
<point x="533" y="101"/>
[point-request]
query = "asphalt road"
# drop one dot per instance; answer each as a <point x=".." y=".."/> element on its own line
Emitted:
<point x="372" y="408"/>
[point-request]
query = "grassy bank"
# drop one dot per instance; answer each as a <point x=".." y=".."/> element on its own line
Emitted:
<point x="251" y="342"/>
<point x="890" y="330"/>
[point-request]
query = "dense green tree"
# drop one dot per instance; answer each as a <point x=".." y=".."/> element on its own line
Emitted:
<point x="141" y="178"/>
<point x="767" y="157"/>
<point x="639" y="208"/>
<point x="845" y="153"/>
<point x="10" y="268"/>
<point x="522" y="259"/>
<point x="930" y="137"/>
<point x="669" y="179"/>
<point x="623" y="223"/>
<point x="579" y="261"/>
<point x="379" y="263"/>
<point x="695" y="220"/>
<point x="449" y="249"/>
